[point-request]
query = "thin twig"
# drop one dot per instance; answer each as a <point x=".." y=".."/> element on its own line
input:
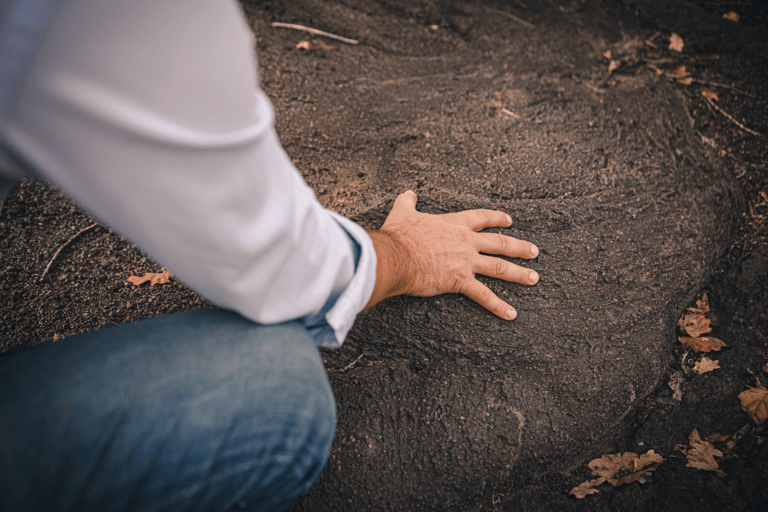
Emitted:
<point x="734" y="121"/>
<point x="521" y="4"/>
<point x="58" y="251"/>
<point x="350" y="365"/>
<point x="315" y="32"/>
<point x="512" y="17"/>
<point x="724" y="86"/>
<point x="510" y="113"/>
<point x="588" y="85"/>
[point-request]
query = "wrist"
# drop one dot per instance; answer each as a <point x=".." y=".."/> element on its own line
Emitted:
<point x="391" y="267"/>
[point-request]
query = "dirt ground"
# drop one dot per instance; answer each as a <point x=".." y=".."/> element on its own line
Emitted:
<point x="470" y="106"/>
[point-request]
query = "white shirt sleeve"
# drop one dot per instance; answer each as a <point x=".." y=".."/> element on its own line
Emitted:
<point x="150" y="115"/>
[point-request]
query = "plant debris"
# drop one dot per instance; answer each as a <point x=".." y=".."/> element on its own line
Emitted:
<point x="676" y="43"/>
<point x="703" y="344"/>
<point x="732" y="16"/>
<point x="617" y="469"/>
<point x="701" y="454"/>
<point x="153" y="278"/>
<point x="706" y="365"/>
<point x="675" y="381"/>
<point x="754" y="401"/>
<point x="695" y="324"/>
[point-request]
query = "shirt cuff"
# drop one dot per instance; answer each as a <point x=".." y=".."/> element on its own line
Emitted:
<point x="329" y="327"/>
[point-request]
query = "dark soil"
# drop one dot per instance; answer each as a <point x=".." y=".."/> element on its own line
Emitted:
<point x="640" y="195"/>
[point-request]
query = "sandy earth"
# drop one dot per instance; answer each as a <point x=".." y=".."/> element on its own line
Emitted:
<point x="641" y="196"/>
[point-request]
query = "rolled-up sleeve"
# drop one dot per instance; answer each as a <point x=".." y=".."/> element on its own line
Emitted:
<point x="150" y="115"/>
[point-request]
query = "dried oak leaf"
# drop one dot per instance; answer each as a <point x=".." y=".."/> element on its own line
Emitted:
<point x="588" y="487"/>
<point x="610" y="466"/>
<point x="701" y="454"/>
<point x="705" y="365"/>
<point x="712" y="438"/>
<point x="607" y="54"/>
<point x="676" y="43"/>
<point x="613" y="66"/>
<point x="710" y="95"/>
<point x="732" y="16"/>
<point x="680" y="72"/>
<point x="153" y="278"/>
<point x="675" y="381"/>
<point x="755" y="403"/>
<point x="701" y="305"/>
<point x="694" y="324"/>
<point x="763" y="195"/>
<point x="703" y="344"/>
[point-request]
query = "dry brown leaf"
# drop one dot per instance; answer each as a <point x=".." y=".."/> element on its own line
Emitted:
<point x="676" y="43"/>
<point x="680" y="72"/>
<point x="57" y="336"/>
<point x="713" y="438"/>
<point x="763" y="195"/>
<point x="695" y="324"/>
<point x="710" y="95"/>
<point x="685" y="81"/>
<point x="609" y="466"/>
<point x="732" y="16"/>
<point x="304" y="45"/>
<point x="701" y="454"/>
<point x="703" y="344"/>
<point x="607" y="54"/>
<point x="705" y="365"/>
<point x="701" y="307"/>
<point x="755" y="403"/>
<point x="588" y="487"/>
<point x="613" y="66"/>
<point x="153" y="278"/>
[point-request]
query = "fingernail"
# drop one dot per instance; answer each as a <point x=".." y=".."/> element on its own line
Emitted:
<point x="509" y="219"/>
<point x="534" y="277"/>
<point x="534" y="251"/>
<point x="511" y="314"/>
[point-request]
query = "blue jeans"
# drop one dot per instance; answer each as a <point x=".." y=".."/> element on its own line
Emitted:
<point x="199" y="410"/>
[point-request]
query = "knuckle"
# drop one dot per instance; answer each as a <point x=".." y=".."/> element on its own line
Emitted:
<point x="500" y="267"/>
<point x="502" y="242"/>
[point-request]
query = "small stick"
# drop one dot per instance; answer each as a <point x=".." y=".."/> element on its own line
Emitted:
<point x="350" y="365"/>
<point x="724" y="86"/>
<point x="510" y="113"/>
<point x="315" y="32"/>
<point x="588" y="85"/>
<point x="734" y="121"/>
<point x="58" y="251"/>
<point x="512" y="17"/>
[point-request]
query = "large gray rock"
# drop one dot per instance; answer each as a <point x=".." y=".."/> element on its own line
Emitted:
<point x="444" y="403"/>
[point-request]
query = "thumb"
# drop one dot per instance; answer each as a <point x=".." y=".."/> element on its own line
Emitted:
<point x="405" y="200"/>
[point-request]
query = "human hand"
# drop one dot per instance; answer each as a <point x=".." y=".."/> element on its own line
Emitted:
<point x="424" y="255"/>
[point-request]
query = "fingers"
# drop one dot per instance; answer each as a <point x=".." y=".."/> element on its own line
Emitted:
<point x="477" y="220"/>
<point x="406" y="199"/>
<point x="495" y="243"/>
<point x="481" y="294"/>
<point x="502" y="269"/>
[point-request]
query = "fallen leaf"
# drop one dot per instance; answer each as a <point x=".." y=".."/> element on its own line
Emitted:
<point x="732" y="16"/>
<point x="701" y="305"/>
<point x="613" y="66"/>
<point x="588" y="487"/>
<point x="705" y="365"/>
<point x="304" y="45"/>
<point x="676" y="43"/>
<point x="755" y="403"/>
<point x="701" y="454"/>
<point x="763" y="195"/>
<point x="703" y="344"/>
<point x="685" y="81"/>
<point x="694" y="324"/>
<point x="710" y="95"/>
<point x="607" y="54"/>
<point x="57" y="336"/>
<point x="610" y="466"/>
<point x="675" y="380"/>
<point x="153" y="278"/>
